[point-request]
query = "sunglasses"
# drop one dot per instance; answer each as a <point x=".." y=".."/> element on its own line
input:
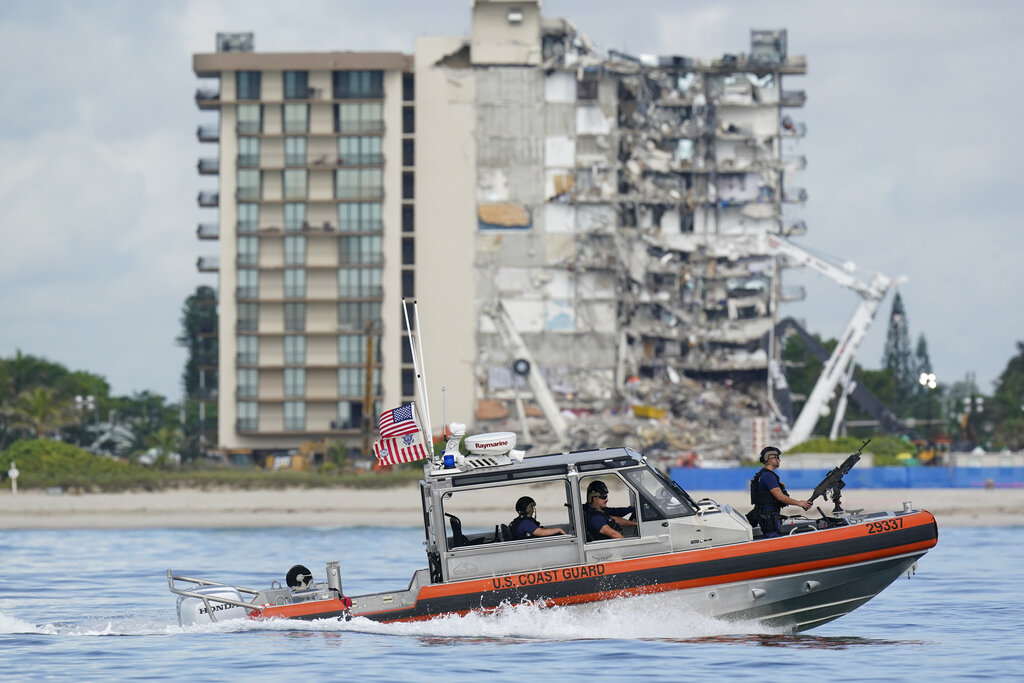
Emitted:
<point x="604" y="497"/>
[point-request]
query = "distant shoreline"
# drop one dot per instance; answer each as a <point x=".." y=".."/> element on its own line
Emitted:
<point x="400" y="506"/>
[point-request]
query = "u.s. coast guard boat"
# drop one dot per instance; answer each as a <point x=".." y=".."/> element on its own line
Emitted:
<point x="705" y="552"/>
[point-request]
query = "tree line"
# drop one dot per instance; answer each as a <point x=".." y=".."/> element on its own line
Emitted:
<point x="957" y="413"/>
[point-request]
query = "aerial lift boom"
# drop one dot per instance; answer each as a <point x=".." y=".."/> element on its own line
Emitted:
<point x="840" y="363"/>
<point x="523" y="359"/>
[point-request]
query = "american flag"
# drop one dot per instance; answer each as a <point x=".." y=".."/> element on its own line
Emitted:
<point x="397" y="422"/>
<point x="404" y="448"/>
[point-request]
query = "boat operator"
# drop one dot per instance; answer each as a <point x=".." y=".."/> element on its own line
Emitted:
<point x="526" y="525"/>
<point x="603" y="521"/>
<point x="768" y="495"/>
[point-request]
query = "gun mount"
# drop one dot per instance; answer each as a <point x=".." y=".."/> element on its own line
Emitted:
<point x="833" y="482"/>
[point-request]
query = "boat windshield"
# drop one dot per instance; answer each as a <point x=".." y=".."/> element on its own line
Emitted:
<point x="662" y="492"/>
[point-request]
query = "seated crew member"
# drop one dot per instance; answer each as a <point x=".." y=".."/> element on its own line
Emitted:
<point x="769" y="496"/>
<point x="603" y="521"/>
<point x="525" y="525"/>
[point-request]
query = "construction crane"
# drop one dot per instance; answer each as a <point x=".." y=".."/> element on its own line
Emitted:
<point x="524" y="366"/>
<point x="838" y="368"/>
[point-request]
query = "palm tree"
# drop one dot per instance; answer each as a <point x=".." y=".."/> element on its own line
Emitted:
<point x="41" y="411"/>
<point x="164" y="441"/>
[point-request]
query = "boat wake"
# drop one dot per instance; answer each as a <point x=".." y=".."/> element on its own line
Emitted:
<point x="640" y="617"/>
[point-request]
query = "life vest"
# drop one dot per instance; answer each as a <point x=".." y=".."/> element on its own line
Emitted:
<point x="762" y="497"/>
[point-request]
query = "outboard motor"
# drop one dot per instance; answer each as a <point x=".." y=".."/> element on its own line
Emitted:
<point x="194" y="611"/>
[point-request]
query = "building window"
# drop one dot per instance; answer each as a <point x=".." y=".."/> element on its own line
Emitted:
<point x="248" y="283"/>
<point x="248" y="217"/>
<point x="295" y="250"/>
<point x="408" y="382"/>
<point x="408" y="185"/>
<point x="248" y="251"/>
<point x="295" y="183"/>
<point x="294" y="349"/>
<point x="248" y="382"/>
<point x="248" y="317"/>
<point x="408" y="218"/>
<point x="359" y="283"/>
<point x="248" y="416"/>
<point x="408" y="120"/>
<point x="586" y="90"/>
<point x="408" y="87"/>
<point x="351" y="349"/>
<point x="248" y="183"/>
<point x="408" y="153"/>
<point x="296" y="118"/>
<point x="294" y="283"/>
<point x="358" y="183"/>
<point x="360" y="250"/>
<point x="295" y="317"/>
<point x="247" y="85"/>
<point x="296" y="85"/>
<point x="363" y="85"/>
<point x="248" y="349"/>
<point x="294" y="416"/>
<point x="294" y="381"/>
<point x="248" y="152"/>
<point x="294" y="216"/>
<point x="294" y="151"/>
<point x="358" y="117"/>
<point x="350" y="381"/>
<point x="359" y="217"/>
<point x="350" y="415"/>
<point x="250" y="118"/>
<point x="408" y="283"/>
<point x="360" y="151"/>
<point x="408" y="251"/>
<point x="353" y="315"/>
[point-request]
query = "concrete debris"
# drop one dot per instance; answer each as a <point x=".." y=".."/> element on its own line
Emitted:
<point x="703" y="423"/>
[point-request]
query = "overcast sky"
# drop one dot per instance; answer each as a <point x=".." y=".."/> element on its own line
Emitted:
<point x="912" y="146"/>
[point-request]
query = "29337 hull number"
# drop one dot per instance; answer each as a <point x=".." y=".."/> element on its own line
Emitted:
<point x="885" y="525"/>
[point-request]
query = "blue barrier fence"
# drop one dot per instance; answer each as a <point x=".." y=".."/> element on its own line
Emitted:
<point x="696" y="479"/>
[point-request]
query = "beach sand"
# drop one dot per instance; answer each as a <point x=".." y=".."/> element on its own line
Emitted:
<point x="401" y="507"/>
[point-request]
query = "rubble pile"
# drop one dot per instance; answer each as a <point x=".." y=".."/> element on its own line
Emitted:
<point x="685" y="423"/>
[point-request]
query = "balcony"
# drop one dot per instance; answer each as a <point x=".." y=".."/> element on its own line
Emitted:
<point x="206" y="359"/>
<point x="793" y="293"/>
<point x="208" y="166"/>
<point x="206" y="393"/>
<point x="208" y="264"/>
<point x="208" y="231"/>
<point x="797" y="195"/>
<point x="209" y="199"/>
<point x="208" y="98"/>
<point x="793" y="98"/>
<point x="208" y="133"/>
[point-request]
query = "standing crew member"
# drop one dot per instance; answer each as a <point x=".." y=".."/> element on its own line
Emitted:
<point x="769" y="496"/>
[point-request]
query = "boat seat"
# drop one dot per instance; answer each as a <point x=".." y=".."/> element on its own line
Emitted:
<point x="457" y="537"/>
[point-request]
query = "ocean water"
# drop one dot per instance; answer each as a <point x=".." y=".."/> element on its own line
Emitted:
<point x="94" y="605"/>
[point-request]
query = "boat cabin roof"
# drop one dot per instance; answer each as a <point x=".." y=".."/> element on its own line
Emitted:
<point x="474" y="470"/>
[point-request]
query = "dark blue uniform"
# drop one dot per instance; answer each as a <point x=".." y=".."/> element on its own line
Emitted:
<point x="523" y="527"/>
<point x="596" y="519"/>
<point x="767" y="509"/>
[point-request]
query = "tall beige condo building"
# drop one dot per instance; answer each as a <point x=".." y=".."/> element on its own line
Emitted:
<point x="597" y="215"/>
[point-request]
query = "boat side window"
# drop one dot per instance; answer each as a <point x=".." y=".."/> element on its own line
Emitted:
<point x="659" y="499"/>
<point x="619" y="496"/>
<point x="484" y="516"/>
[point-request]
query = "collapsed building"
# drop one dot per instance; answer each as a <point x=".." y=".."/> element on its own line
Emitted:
<point x="620" y="202"/>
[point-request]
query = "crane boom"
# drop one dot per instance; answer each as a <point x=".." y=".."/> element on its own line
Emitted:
<point x="518" y="350"/>
<point x="841" y="360"/>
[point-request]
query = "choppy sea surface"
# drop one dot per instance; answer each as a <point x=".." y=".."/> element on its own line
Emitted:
<point x="94" y="605"/>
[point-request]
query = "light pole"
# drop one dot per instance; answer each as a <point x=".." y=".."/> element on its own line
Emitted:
<point x="928" y="382"/>
<point x="85" y="405"/>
